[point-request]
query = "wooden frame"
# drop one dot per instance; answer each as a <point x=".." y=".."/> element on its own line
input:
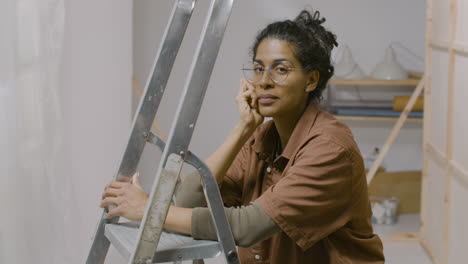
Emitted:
<point x="451" y="168"/>
<point x="449" y="133"/>
<point x="458" y="47"/>
<point x="427" y="117"/>
<point x="457" y="168"/>
<point x="445" y="158"/>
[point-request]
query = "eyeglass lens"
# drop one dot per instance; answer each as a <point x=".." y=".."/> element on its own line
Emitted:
<point x="254" y="73"/>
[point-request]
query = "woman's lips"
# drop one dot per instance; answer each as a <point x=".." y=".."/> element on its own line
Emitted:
<point x="266" y="100"/>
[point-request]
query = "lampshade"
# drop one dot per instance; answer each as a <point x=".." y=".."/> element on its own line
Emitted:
<point x="347" y="68"/>
<point x="389" y="68"/>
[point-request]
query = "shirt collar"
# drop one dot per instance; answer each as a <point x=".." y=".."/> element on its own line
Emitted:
<point x="265" y="144"/>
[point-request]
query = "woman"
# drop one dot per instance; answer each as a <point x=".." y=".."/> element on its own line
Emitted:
<point x="294" y="187"/>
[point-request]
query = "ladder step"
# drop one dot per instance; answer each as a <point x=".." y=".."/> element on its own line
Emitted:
<point x="171" y="247"/>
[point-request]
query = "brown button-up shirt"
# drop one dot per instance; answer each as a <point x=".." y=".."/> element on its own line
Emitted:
<point x="315" y="191"/>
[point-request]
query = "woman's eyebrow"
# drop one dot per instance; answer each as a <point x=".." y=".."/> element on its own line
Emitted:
<point x="281" y="60"/>
<point x="258" y="61"/>
<point x="274" y="62"/>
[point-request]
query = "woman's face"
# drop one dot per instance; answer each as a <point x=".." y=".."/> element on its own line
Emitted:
<point x="288" y="97"/>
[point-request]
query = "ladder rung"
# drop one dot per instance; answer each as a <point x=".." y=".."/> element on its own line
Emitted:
<point x="171" y="247"/>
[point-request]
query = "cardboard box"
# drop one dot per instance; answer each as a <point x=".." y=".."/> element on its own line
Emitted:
<point x="404" y="185"/>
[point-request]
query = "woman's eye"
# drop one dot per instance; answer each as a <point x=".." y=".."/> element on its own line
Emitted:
<point x="281" y="70"/>
<point x="258" y="69"/>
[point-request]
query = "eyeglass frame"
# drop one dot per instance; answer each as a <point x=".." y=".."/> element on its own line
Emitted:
<point x="270" y="68"/>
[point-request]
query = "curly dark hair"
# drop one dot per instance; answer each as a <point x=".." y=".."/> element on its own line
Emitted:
<point x="311" y="42"/>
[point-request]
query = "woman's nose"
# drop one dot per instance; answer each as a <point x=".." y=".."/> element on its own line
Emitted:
<point x="266" y="81"/>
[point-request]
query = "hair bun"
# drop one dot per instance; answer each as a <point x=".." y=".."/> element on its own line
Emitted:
<point x="307" y="19"/>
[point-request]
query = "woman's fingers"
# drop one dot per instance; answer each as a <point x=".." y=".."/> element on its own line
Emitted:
<point x="114" y="212"/>
<point x="116" y="184"/>
<point x="249" y="85"/>
<point x="110" y="189"/>
<point x="108" y="201"/>
<point x="250" y="97"/>
<point x="250" y="88"/>
<point x="247" y="103"/>
<point x="136" y="179"/>
<point x="112" y="192"/>
<point x="125" y="199"/>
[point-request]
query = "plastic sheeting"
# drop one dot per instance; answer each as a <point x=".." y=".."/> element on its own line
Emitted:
<point x="33" y="211"/>
<point x="65" y="89"/>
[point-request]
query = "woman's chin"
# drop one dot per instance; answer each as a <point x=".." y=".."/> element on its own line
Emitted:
<point x="266" y="112"/>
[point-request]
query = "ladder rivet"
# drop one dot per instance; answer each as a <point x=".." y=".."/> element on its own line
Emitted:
<point x="191" y="125"/>
<point x="232" y="256"/>
<point x="181" y="152"/>
<point x="145" y="135"/>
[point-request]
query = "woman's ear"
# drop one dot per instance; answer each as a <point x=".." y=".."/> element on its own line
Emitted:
<point x="313" y="81"/>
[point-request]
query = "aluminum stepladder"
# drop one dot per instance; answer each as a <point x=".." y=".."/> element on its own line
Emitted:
<point x="146" y="242"/>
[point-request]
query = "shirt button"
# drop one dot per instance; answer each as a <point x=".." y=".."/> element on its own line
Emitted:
<point x="268" y="169"/>
<point x="257" y="257"/>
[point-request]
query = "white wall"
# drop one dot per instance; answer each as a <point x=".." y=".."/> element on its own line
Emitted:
<point x="96" y="92"/>
<point x="366" y="26"/>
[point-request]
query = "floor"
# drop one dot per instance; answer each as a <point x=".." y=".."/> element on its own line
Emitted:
<point x="397" y="251"/>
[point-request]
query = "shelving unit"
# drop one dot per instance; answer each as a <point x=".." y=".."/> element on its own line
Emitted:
<point x="368" y="81"/>
<point x="415" y="79"/>
<point x="375" y="118"/>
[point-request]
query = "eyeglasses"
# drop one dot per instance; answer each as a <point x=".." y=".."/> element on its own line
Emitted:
<point x="278" y="73"/>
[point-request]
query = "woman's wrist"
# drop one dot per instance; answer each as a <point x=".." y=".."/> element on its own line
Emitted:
<point x="244" y="130"/>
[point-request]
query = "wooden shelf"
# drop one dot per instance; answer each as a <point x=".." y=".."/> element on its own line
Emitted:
<point x="369" y="81"/>
<point x="374" y="118"/>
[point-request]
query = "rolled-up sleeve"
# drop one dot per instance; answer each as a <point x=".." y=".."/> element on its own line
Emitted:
<point x="190" y="192"/>
<point x="312" y="198"/>
<point x="249" y="224"/>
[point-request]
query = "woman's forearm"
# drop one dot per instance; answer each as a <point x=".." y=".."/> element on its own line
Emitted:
<point x="220" y="160"/>
<point x="179" y="220"/>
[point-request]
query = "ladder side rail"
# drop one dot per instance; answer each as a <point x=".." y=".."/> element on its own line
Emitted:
<point x="182" y="130"/>
<point x="215" y="204"/>
<point x="154" y="90"/>
<point x="155" y="86"/>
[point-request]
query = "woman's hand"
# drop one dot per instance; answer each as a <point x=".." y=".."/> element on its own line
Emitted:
<point x="248" y="106"/>
<point x="129" y="199"/>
